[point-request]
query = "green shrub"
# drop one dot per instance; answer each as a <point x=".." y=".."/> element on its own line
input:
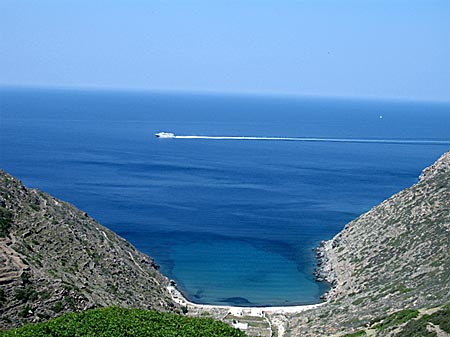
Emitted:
<point x="397" y="318"/>
<point x="418" y="327"/>
<point x="5" y="222"/>
<point x="25" y="277"/>
<point x="57" y="307"/>
<point x="358" y="301"/>
<point x="26" y="294"/>
<point x="44" y="295"/>
<point x="2" y="297"/>
<point x="358" y="333"/>
<point x="118" y="322"/>
<point x="25" y="312"/>
<point x="442" y="318"/>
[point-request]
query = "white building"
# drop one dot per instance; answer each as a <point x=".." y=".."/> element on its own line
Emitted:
<point x="236" y="312"/>
<point x="241" y="326"/>
<point x="256" y="312"/>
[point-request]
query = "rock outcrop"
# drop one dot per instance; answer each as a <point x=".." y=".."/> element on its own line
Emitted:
<point x="54" y="258"/>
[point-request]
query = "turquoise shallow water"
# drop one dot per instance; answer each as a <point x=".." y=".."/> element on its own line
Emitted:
<point x="232" y="221"/>
<point x="253" y="270"/>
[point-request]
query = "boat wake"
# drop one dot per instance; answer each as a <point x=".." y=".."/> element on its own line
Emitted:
<point x="310" y="139"/>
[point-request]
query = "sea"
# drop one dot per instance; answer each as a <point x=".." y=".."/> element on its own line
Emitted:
<point x="232" y="221"/>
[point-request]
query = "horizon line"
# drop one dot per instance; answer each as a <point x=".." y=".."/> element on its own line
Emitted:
<point x="205" y="92"/>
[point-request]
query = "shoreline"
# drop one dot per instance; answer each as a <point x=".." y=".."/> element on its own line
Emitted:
<point x="180" y="299"/>
<point x="240" y="317"/>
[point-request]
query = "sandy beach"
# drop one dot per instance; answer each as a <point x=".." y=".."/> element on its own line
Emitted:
<point x="273" y="316"/>
<point x="179" y="298"/>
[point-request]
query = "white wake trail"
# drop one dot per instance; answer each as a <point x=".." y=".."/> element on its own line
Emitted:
<point x="333" y="140"/>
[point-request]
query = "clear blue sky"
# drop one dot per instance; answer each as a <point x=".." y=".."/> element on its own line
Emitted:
<point x="382" y="48"/>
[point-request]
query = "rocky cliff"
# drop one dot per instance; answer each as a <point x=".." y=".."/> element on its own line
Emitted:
<point x="55" y="259"/>
<point x="393" y="257"/>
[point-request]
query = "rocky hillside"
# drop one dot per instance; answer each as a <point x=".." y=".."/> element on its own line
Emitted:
<point x="396" y="256"/>
<point x="54" y="258"/>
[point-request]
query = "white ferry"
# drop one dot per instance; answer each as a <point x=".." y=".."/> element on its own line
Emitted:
<point x="165" y="135"/>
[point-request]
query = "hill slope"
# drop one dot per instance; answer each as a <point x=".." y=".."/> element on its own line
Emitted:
<point x="393" y="257"/>
<point x="55" y="259"/>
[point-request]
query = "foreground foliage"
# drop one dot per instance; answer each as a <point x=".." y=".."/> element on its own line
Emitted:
<point x="118" y="322"/>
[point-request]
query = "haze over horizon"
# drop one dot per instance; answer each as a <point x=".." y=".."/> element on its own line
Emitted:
<point x="376" y="49"/>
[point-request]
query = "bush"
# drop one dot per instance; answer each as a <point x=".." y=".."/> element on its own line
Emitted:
<point x="397" y="318"/>
<point x="25" y="295"/>
<point x="358" y="333"/>
<point x="2" y="297"/>
<point x="118" y="322"/>
<point x="5" y="221"/>
<point x="442" y="318"/>
<point x="57" y="307"/>
<point x="418" y="327"/>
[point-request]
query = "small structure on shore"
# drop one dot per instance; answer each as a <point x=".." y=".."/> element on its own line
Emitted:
<point x="239" y="325"/>
<point x="236" y="312"/>
<point x="256" y="312"/>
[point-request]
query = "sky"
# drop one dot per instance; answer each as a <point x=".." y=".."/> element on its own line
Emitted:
<point x="349" y="48"/>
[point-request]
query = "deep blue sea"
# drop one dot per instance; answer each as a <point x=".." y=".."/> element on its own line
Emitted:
<point x="231" y="221"/>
